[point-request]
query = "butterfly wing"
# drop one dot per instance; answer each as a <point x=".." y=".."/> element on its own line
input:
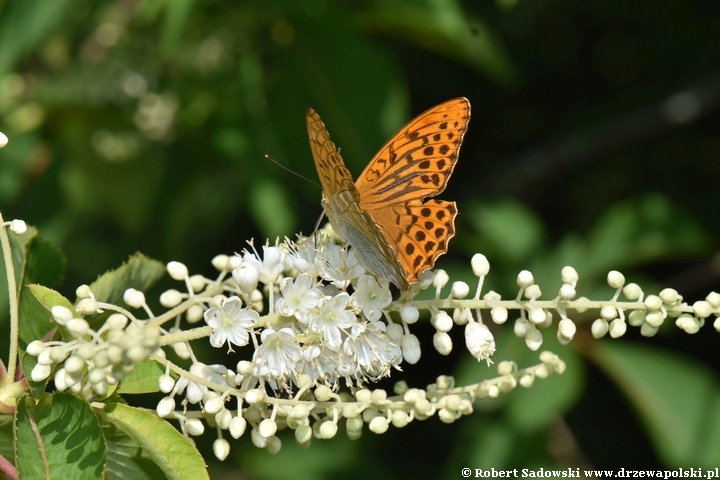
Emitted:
<point x="342" y="206"/>
<point x="414" y="164"/>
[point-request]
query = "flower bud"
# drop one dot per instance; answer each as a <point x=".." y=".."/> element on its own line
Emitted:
<point x="409" y="314"/>
<point x="480" y="265"/>
<point x="221" y="448"/>
<point x="177" y="271"/>
<point x="525" y="279"/>
<point x="410" y="348"/>
<point x="134" y="298"/>
<point x="237" y="427"/>
<point x="459" y="290"/>
<point x="569" y="276"/>
<point x="194" y="427"/>
<point x="442" y="343"/>
<point x="165" y="407"/>
<point x="18" y="227"/>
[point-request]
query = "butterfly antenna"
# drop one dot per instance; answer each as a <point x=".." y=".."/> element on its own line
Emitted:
<point x="291" y="171"/>
<point x="317" y="227"/>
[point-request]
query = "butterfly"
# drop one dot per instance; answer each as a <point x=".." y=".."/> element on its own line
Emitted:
<point x="384" y="215"/>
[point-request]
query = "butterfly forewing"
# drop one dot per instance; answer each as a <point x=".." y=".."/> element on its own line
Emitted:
<point x="418" y="160"/>
<point x="329" y="164"/>
<point x="342" y="206"/>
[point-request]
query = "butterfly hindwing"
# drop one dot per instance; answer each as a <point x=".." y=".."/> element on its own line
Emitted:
<point x="420" y="233"/>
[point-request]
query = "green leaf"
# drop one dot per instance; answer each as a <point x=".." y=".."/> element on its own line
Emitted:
<point x="35" y="260"/>
<point x="139" y="272"/>
<point x="441" y="26"/>
<point x="143" y="378"/>
<point x="35" y="323"/>
<point x="46" y="263"/>
<point x="19" y="248"/>
<point x="165" y="446"/>
<point x="49" y="298"/>
<point x="7" y="448"/>
<point x="28" y="362"/>
<point x="125" y="457"/>
<point x="677" y="398"/>
<point x="35" y="320"/>
<point x="59" y="439"/>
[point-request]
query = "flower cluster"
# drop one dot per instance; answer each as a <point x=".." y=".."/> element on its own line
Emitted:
<point x="92" y="359"/>
<point x="328" y="319"/>
<point x="319" y="331"/>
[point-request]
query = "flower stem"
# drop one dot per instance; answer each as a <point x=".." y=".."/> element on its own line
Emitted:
<point x="13" y="299"/>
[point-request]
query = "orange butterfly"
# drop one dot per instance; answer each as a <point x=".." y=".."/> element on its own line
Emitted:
<point x="394" y="233"/>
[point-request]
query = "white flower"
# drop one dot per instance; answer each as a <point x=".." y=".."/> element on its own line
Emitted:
<point x="372" y="297"/>
<point x="211" y="373"/>
<point x="479" y="341"/>
<point x="332" y="318"/>
<point x="340" y="266"/>
<point x="299" y="297"/>
<point x="347" y="366"/>
<point x="302" y="256"/>
<point x="230" y="323"/>
<point x="278" y="355"/>
<point x="320" y="363"/>
<point x="271" y="265"/>
<point x="374" y="352"/>
<point x="246" y="276"/>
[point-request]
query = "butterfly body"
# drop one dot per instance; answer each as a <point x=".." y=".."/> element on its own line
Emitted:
<point x="353" y="225"/>
<point x="396" y="233"/>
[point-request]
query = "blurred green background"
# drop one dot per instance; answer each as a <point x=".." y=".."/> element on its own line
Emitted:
<point x="143" y="125"/>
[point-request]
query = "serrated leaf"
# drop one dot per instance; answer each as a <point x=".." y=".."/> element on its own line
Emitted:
<point x="143" y="378"/>
<point x="163" y="444"/>
<point x="59" y="439"/>
<point x="139" y="272"/>
<point x="676" y="397"/>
